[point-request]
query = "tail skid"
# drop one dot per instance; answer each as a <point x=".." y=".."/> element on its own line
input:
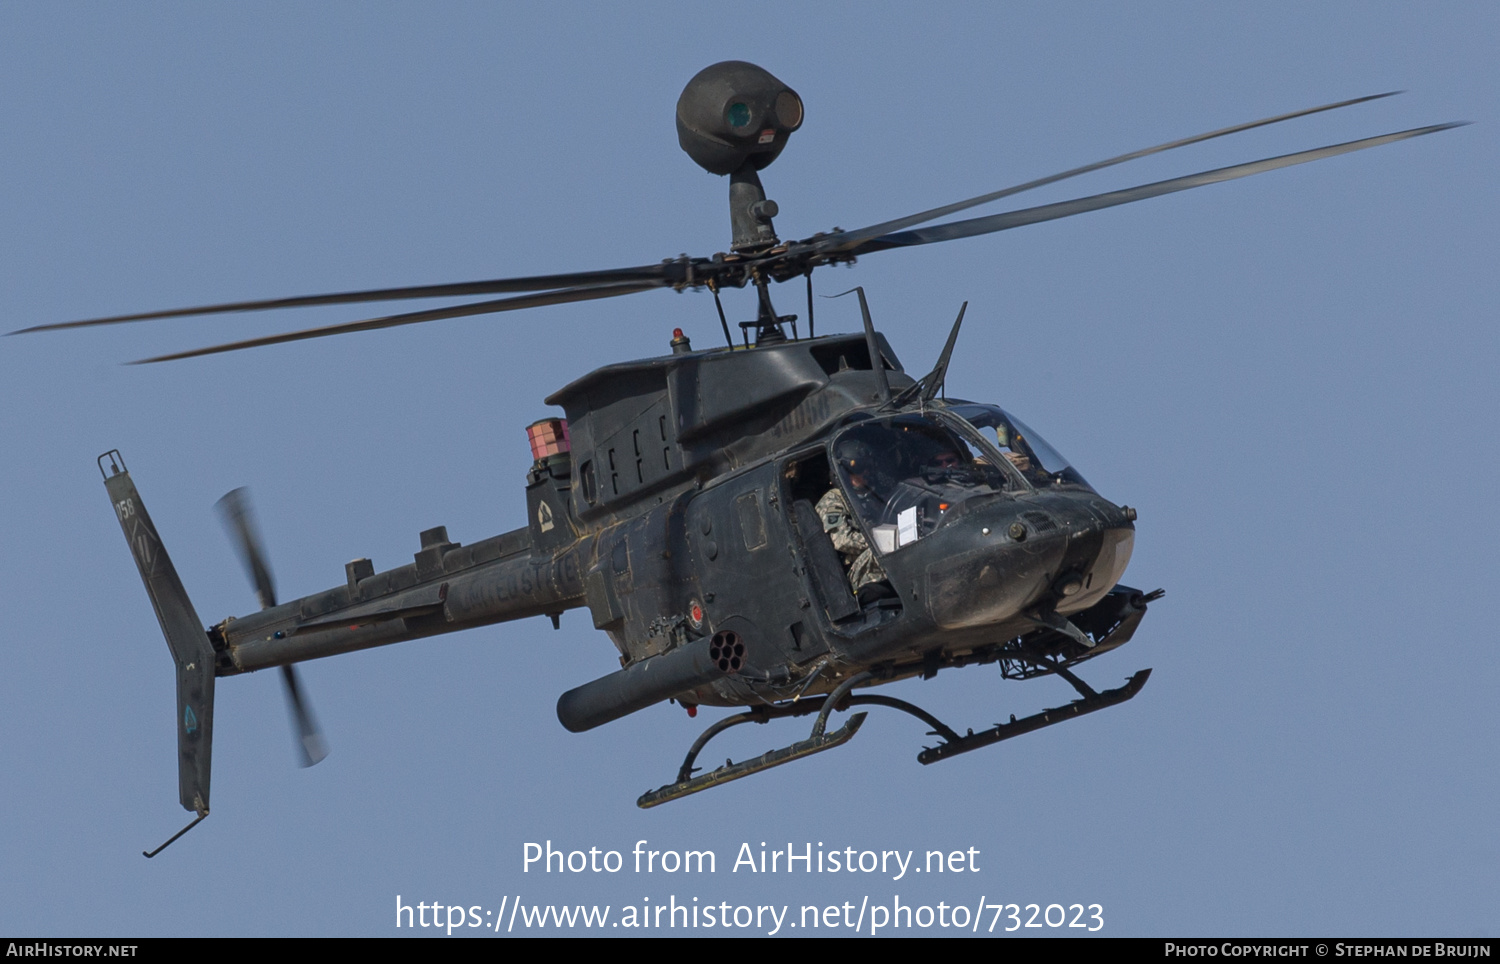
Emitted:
<point x="192" y="653"/>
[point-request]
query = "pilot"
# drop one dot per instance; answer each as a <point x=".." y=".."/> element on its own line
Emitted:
<point x="1010" y="447"/>
<point x="945" y="459"/>
<point x="857" y="460"/>
<point x="941" y="464"/>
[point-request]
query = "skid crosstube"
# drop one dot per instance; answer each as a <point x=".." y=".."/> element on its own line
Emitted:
<point x="840" y="698"/>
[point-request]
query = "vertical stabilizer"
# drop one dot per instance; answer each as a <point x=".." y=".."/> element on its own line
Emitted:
<point x="191" y="651"/>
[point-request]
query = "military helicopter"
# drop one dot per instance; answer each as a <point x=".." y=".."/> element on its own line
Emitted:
<point x="782" y="523"/>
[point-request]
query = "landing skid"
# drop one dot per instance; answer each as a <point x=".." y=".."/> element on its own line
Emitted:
<point x="1004" y="731"/>
<point x="816" y="743"/>
<point x="840" y="699"/>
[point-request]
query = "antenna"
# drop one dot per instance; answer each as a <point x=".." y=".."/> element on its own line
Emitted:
<point x="939" y="375"/>
<point x="877" y="361"/>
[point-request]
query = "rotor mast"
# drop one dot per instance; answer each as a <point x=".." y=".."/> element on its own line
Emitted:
<point x="750" y="212"/>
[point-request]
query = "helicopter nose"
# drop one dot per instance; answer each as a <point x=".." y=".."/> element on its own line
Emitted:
<point x="1082" y="586"/>
<point x="1099" y="539"/>
<point x="1002" y="562"/>
<point x="1066" y="552"/>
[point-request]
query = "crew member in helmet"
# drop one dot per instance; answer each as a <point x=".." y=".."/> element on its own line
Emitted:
<point x="857" y="460"/>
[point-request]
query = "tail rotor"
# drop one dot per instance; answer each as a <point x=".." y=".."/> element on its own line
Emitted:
<point x="244" y="534"/>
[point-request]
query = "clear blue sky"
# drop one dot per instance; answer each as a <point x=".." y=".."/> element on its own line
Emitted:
<point x="1292" y="376"/>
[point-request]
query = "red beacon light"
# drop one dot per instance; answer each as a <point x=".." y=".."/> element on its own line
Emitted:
<point x="548" y="437"/>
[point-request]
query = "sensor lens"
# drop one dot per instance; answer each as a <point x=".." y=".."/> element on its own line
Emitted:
<point x="789" y="110"/>
<point x="739" y="114"/>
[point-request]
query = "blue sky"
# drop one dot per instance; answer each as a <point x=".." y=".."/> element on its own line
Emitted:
<point x="1291" y="376"/>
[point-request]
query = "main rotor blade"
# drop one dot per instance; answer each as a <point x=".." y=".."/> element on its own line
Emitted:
<point x="565" y="296"/>
<point x="309" y="738"/>
<point x="1063" y="209"/>
<point x="239" y="521"/>
<point x="850" y="239"/>
<point x="650" y="272"/>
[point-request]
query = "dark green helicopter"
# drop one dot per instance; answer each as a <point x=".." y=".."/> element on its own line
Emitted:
<point x="781" y="523"/>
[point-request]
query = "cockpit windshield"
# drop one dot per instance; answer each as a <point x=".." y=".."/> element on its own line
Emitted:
<point x="1027" y="451"/>
<point x="904" y="473"/>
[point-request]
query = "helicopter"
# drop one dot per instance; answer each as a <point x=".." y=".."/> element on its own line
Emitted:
<point x="681" y="499"/>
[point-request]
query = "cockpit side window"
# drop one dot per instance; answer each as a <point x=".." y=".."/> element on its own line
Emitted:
<point x="902" y="474"/>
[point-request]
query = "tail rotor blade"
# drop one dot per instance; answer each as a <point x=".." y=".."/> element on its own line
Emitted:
<point x="239" y="521"/>
<point x="309" y="738"/>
